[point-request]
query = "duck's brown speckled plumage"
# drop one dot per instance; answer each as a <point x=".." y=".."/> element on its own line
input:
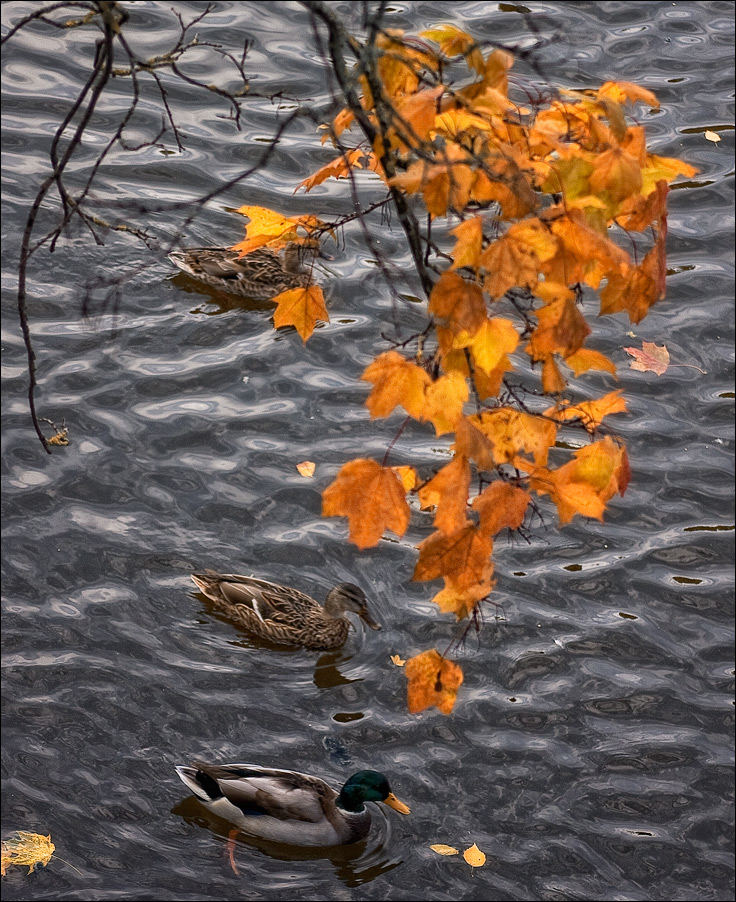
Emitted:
<point x="261" y="274"/>
<point x="282" y="614"/>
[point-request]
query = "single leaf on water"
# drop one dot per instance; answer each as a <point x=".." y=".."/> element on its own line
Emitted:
<point x="652" y="358"/>
<point x="474" y="856"/>
<point x="712" y="136"/>
<point x="306" y="468"/>
<point x="398" y="660"/>
<point x="26" y="848"/>
<point x="442" y="849"/>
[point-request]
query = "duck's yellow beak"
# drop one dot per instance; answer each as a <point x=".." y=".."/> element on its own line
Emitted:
<point x="394" y="803"/>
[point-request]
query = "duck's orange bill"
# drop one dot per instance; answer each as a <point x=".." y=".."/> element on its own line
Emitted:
<point x="394" y="803"/>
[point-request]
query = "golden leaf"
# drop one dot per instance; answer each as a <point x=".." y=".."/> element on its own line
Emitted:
<point x="306" y="468"/>
<point x="408" y="477"/>
<point x="398" y="660"/>
<point x="301" y="308"/>
<point x="442" y="849"/>
<point x="396" y="381"/>
<point x="433" y="680"/>
<point x="474" y="856"/>
<point x="371" y="497"/>
<point x="26" y="848"/>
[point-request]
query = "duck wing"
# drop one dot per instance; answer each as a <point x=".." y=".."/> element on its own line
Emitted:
<point x="260" y="791"/>
<point x="269" y="601"/>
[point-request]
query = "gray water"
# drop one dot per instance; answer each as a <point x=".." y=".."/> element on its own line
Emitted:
<point x="590" y="753"/>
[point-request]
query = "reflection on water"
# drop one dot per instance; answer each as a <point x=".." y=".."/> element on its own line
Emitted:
<point x="354" y="865"/>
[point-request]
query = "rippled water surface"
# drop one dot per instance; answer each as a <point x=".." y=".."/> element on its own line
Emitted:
<point x="590" y="754"/>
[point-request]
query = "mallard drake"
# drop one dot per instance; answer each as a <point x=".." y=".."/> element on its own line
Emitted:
<point x="261" y="274"/>
<point x="284" y="615"/>
<point x="289" y="807"/>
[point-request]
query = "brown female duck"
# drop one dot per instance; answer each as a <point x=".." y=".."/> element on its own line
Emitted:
<point x="262" y="274"/>
<point x="282" y="614"/>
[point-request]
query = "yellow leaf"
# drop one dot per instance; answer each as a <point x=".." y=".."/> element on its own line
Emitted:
<point x="712" y="136"/>
<point x="396" y="381"/>
<point x="398" y="660"/>
<point x="474" y="856"/>
<point x="26" y="848"/>
<point x="408" y="477"/>
<point x="306" y="468"/>
<point x="442" y="849"/>
<point x="443" y="402"/>
<point x="371" y="497"/>
<point x="433" y="680"/>
<point x="301" y="308"/>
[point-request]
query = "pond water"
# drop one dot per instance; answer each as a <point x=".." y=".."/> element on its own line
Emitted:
<point x="590" y="753"/>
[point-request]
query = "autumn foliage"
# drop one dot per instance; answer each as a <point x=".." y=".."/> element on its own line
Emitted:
<point x="533" y="203"/>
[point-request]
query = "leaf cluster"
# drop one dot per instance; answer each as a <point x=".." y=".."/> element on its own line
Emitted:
<point x="530" y="201"/>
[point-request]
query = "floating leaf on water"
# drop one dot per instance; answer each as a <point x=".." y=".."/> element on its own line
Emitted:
<point x="474" y="856"/>
<point x="26" y="848"/>
<point x="442" y="849"/>
<point x="306" y="468"/>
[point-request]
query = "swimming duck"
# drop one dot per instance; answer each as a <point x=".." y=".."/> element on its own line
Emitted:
<point x="289" y="807"/>
<point x="261" y="274"/>
<point x="282" y="614"/>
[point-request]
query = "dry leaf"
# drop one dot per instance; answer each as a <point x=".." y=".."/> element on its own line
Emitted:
<point x="652" y="358"/>
<point x="306" y="468"/>
<point x="712" y="136"/>
<point x="442" y="849"/>
<point x="474" y="856"/>
<point x="26" y="848"/>
<point x="398" y="660"/>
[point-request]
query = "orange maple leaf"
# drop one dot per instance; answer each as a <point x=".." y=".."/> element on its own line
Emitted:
<point x="584" y="255"/>
<point x="514" y="260"/>
<point x="300" y="307"/>
<point x="586" y="359"/>
<point x="433" y="681"/>
<point x="634" y="290"/>
<point x="626" y="90"/>
<point x="501" y="506"/>
<point x="562" y="329"/>
<point x="454" y="42"/>
<point x="586" y="484"/>
<point x="339" y="168"/>
<point x="443" y="402"/>
<point x="473" y="443"/>
<point x="462" y="559"/>
<point x="589" y="413"/>
<point x="458" y="303"/>
<point x="492" y="343"/>
<point x="448" y="492"/>
<point x="371" y="497"/>
<point x="513" y="431"/>
<point x="638" y="213"/>
<point x="469" y="234"/>
<point x="396" y="382"/>
<point x="267" y="227"/>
